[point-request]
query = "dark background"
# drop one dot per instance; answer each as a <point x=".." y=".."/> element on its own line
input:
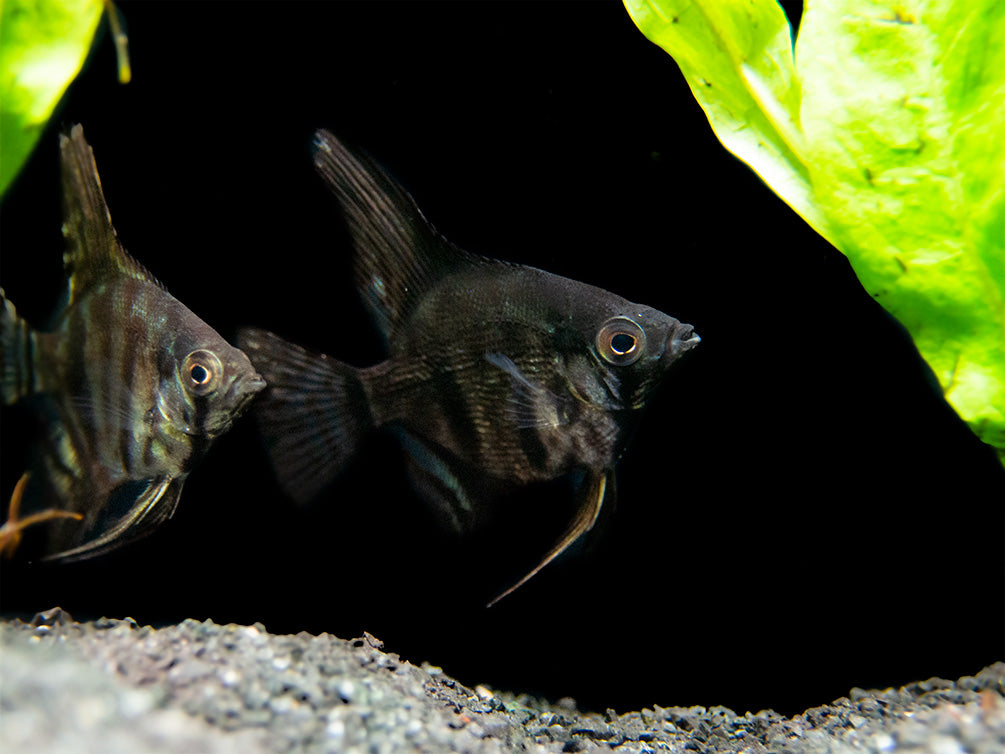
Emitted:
<point x="799" y="513"/>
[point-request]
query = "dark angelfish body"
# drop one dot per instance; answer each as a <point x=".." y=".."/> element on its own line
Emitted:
<point x="498" y="375"/>
<point x="132" y="385"/>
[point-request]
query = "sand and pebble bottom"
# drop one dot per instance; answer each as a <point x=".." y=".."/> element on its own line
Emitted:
<point x="113" y="686"/>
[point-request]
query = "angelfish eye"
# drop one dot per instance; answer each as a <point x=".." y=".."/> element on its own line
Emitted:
<point x="621" y="341"/>
<point x="623" y="344"/>
<point x="201" y="372"/>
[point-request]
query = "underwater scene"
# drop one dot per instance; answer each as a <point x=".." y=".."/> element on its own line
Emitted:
<point x="503" y="318"/>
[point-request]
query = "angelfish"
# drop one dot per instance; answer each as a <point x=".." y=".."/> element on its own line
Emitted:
<point x="132" y="386"/>
<point x="497" y="375"/>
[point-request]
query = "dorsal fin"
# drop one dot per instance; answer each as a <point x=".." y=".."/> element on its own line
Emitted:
<point x="93" y="252"/>
<point x="399" y="255"/>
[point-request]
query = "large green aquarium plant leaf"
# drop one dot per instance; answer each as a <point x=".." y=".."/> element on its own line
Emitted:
<point x="43" y="44"/>
<point x="884" y="128"/>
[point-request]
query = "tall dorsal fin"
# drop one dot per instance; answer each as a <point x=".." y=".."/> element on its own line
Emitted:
<point x="93" y="251"/>
<point x="399" y="255"/>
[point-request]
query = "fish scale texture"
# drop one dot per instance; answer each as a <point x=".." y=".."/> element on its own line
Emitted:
<point x="112" y="686"/>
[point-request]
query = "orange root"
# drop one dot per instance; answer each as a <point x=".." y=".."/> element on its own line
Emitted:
<point x="11" y="531"/>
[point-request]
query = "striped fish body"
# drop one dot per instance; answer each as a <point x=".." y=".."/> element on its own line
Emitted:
<point x="498" y="375"/>
<point x="132" y="386"/>
<point x="115" y="390"/>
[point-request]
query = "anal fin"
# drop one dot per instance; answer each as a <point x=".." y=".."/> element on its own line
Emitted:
<point x="438" y="483"/>
<point x="593" y="491"/>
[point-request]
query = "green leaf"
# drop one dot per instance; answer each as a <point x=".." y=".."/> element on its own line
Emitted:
<point x="888" y="137"/>
<point x="904" y="117"/>
<point x="43" y="44"/>
<point x="737" y="59"/>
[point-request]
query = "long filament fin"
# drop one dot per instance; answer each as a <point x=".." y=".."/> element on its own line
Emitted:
<point x="155" y="505"/>
<point x="585" y="518"/>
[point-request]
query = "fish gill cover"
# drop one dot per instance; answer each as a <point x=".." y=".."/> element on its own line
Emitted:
<point x="884" y="128"/>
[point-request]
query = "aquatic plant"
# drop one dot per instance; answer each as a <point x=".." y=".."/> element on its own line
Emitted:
<point x="883" y="126"/>
<point x="43" y="44"/>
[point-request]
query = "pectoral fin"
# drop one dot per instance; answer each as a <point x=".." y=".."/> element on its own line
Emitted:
<point x="155" y="504"/>
<point x="593" y="492"/>
<point x="529" y="405"/>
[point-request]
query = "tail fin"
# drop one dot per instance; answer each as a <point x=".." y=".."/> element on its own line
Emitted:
<point x="312" y="414"/>
<point x="17" y="344"/>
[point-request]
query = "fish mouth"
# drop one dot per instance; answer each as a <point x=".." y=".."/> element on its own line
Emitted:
<point x="681" y="339"/>
<point x="253" y="384"/>
<point x="239" y="397"/>
<point x="245" y="390"/>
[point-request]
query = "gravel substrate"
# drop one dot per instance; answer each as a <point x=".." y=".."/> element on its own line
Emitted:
<point x="112" y="686"/>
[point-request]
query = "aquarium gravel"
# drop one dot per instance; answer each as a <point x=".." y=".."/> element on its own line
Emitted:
<point x="113" y="686"/>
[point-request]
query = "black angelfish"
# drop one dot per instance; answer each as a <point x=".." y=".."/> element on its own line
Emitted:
<point x="498" y="375"/>
<point x="132" y="385"/>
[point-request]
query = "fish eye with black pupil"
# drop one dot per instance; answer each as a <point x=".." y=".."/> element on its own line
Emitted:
<point x="621" y="341"/>
<point x="203" y="371"/>
<point x="199" y="374"/>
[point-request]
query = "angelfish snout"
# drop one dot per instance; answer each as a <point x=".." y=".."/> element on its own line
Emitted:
<point x="682" y="339"/>
<point x="244" y="390"/>
<point x="254" y="384"/>
<point x="251" y="386"/>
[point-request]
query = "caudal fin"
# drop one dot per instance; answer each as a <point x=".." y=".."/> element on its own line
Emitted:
<point x="17" y="344"/>
<point x="312" y="414"/>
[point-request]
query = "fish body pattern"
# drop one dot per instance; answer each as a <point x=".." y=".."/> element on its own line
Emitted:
<point x="498" y="375"/>
<point x="133" y="387"/>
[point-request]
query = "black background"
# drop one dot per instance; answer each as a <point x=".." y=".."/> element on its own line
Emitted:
<point x="799" y="513"/>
